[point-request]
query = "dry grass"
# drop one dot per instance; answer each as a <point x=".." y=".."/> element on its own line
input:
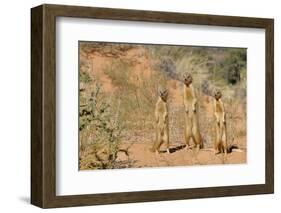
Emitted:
<point x="134" y="77"/>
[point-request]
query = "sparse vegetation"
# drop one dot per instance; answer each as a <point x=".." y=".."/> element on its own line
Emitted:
<point x="100" y="130"/>
<point x="117" y="97"/>
<point x="137" y="91"/>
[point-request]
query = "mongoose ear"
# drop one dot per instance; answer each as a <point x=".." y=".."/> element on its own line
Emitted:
<point x="165" y="92"/>
<point x="159" y="91"/>
<point x="184" y="76"/>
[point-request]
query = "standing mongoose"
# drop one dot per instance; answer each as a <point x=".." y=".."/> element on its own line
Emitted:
<point x="191" y="114"/>
<point x="162" y="122"/>
<point x="220" y="124"/>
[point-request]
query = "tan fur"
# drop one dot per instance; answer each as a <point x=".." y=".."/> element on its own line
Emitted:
<point x="220" y="144"/>
<point x="191" y="117"/>
<point x="162" y="125"/>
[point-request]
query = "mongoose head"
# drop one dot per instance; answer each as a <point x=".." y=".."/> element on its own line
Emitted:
<point x="217" y="94"/>
<point x="163" y="94"/>
<point x="187" y="79"/>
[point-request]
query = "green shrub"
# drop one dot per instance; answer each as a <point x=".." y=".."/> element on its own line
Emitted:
<point x="103" y="130"/>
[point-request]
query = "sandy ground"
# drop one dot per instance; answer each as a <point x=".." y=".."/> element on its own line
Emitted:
<point x="179" y="156"/>
<point x="138" y="145"/>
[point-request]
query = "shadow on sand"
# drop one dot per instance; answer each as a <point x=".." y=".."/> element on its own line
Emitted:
<point x="174" y="149"/>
